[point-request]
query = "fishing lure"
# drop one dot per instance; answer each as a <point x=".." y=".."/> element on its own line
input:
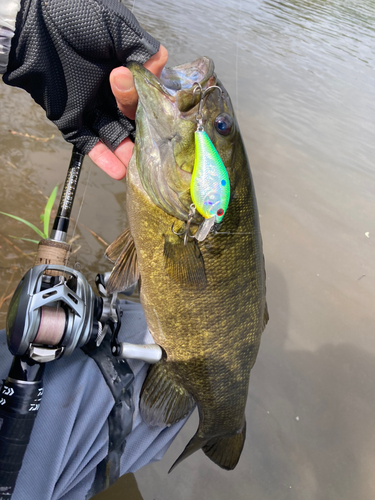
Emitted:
<point x="209" y="188"/>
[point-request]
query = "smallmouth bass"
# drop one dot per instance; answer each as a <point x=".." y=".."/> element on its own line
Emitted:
<point x="204" y="301"/>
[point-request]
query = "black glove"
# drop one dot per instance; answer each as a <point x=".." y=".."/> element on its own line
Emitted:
<point x="62" y="54"/>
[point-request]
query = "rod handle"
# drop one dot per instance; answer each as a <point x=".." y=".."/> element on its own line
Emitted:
<point x="19" y="405"/>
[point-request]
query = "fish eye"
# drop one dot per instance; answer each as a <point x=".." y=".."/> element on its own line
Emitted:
<point x="223" y="124"/>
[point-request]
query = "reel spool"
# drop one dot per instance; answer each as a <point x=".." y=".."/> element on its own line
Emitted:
<point x="51" y="313"/>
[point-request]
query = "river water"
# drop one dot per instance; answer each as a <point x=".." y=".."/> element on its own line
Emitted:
<point x="301" y="76"/>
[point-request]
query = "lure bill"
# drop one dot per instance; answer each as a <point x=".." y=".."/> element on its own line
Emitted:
<point x="209" y="188"/>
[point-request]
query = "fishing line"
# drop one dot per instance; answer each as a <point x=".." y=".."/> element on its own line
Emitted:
<point x="239" y="24"/>
<point x="224" y="232"/>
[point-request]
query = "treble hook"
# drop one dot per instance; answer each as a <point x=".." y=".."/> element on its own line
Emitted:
<point x="186" y="232"/>
<point x="203" y="94"/>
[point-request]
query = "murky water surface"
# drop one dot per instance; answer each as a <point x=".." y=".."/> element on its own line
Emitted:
<point x="301" y="76"/>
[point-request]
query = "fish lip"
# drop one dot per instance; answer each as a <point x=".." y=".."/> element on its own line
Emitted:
<point x="142" y="74"/>
<point x="159" y="86"/>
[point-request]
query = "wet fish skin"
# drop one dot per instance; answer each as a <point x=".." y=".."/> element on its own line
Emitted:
<point x="209" y="326"/>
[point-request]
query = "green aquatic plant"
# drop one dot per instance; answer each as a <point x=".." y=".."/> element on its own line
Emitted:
<point x="45" y="218"/>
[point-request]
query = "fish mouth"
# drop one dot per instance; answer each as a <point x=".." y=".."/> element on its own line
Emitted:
<point x="165" y="126"/>
<point x="176" y="83"/>
<point x="184" y="76"/>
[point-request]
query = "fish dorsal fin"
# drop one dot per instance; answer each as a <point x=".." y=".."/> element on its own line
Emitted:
<point x="163" y="401"/>
<point x="266" y="316"/>
<point x="114" y="250"/>
<point x="184" y="263"/>
<point x="125" y="271"/>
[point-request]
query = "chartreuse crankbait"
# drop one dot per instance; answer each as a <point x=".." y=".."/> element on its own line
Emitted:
<point x="209" y="188"/>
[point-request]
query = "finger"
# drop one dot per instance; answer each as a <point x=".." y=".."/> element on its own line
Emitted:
<point x="157" y="62"/>
<point x="124" y="151"/>
<point x="122" y="82"/>
<point x="114" y="164"/>
<point x="122" y="85"/>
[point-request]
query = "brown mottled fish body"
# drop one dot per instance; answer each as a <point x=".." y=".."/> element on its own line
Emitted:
<point x="210" y="333"/>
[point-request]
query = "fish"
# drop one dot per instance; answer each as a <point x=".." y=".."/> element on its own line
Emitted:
<point x="204" y="300"/>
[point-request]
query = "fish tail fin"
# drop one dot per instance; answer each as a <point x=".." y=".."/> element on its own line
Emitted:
<point x="226" y="451"/>
<point x="223" y="451"/>
<point x="195" y="444"/>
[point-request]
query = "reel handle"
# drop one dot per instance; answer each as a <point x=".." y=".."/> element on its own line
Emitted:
<point x="20" y="398"/>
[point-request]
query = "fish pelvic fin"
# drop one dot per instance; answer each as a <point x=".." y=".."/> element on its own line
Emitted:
<point x="223" y="451"/>
<point x="184" y="263"/>
<point x="226" y="451"/>
<point x="125" y="271"/>
<point x="163" y="400"/>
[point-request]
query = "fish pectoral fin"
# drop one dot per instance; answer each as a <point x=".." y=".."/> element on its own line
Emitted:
<point x="163" y="400"/>
<point x="125" y="271"/>
<point x="226" y="451"/>
<point x="184" y="263"/>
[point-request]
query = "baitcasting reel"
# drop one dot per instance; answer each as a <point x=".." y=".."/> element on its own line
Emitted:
<point x="53" y="311"/>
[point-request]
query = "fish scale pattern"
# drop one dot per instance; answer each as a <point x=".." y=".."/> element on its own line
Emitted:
<point x="62" y="54"/>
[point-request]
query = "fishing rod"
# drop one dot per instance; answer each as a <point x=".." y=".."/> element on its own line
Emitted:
<point x="53" y="311"/>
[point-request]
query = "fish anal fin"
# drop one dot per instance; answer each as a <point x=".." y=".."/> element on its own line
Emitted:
<point x="125" y="271"/>
<point x="163" y="401"/>
<point x="226" y="451"/>
<point x="184" y="263"/>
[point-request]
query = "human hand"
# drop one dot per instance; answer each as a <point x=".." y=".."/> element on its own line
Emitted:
<point x="115" y="163"/>
<point x="62" y="54"/>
